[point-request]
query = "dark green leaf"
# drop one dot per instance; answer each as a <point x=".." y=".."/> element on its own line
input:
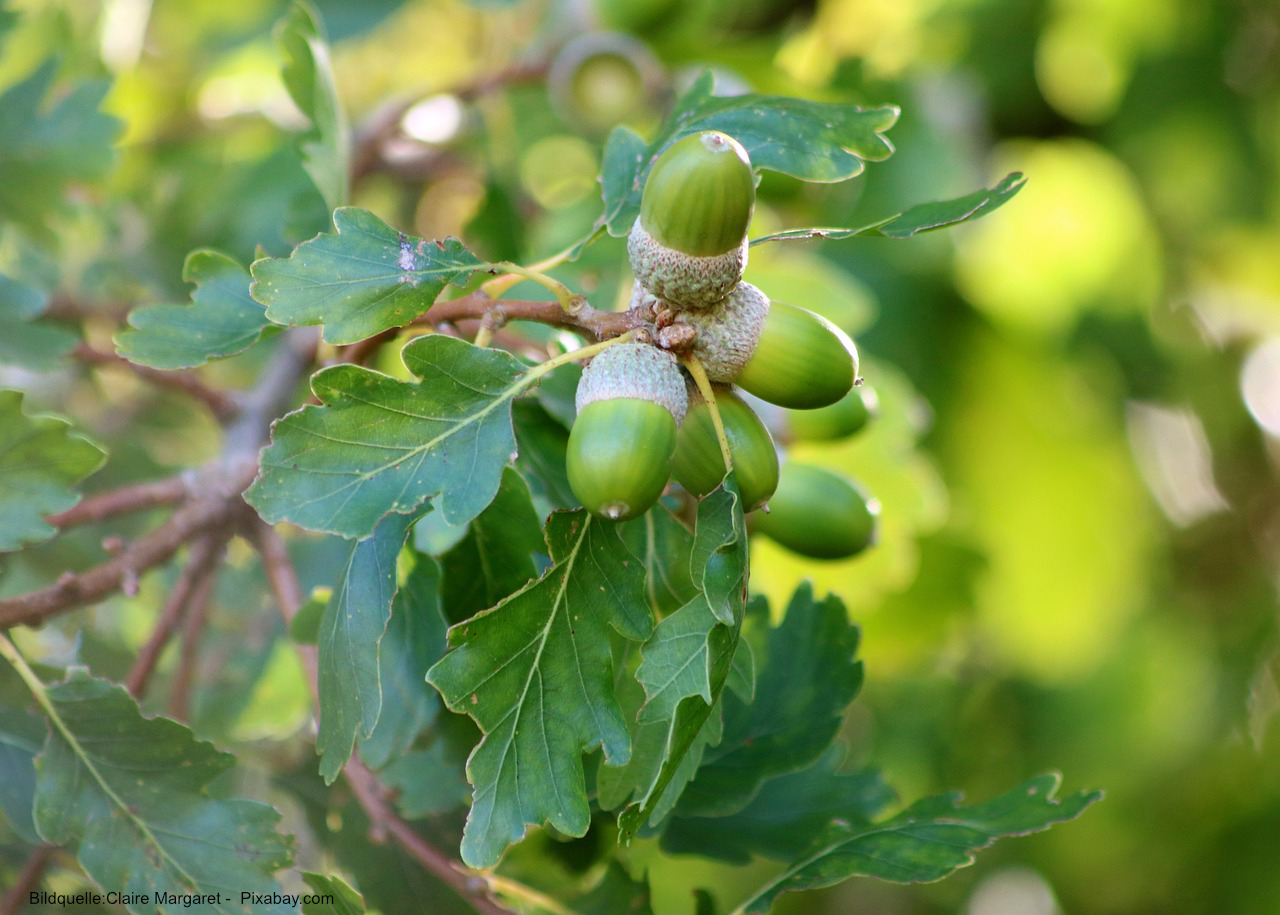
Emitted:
<point x="45" y="147"/>
<point x="414" y="640"/>
<point x="686" y="662"/>
<point x="25" y="341"/>
<point x="617" y="893"/>
<point x="813" y="141"/>
<point x="222" y="319"/>
<point x="666" y="545"/>
<point x="809" y="676"/>
<point x="433" y="780"/>
<point x="541" y="443"/>
<point x="495" y="558"/>
<point x="924" y="217"/>
<point x="128" y="793"/>
<point x="308" y="76"/>
<point x="40" y="460"/>
<point x="360" y="280"/>
<point x="536" y="673"/>
<point x="785" y="817"/>
<point x="926" y="842"/>
<point x="377" y="445"/>
<point x="350" y="632"/>
<point x="22" y="732"/>
<point x="557" y="392"/>
<point x="346" y="901"/>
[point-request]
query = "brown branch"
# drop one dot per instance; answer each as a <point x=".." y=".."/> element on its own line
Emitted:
<point x="368" y="790"/>
<point x="153" y="549"/>
<point x="188" y="590"/>
<point x="122" y="501"/>
<point x="196" y="621"/>
<point x="222" y="406"/>
<point x="28" y="880"/>
<point x="599" y="325"/>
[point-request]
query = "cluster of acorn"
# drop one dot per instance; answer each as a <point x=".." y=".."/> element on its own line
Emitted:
<point x="640" y="418"/>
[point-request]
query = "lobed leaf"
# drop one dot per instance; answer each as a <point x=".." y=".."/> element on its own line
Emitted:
<point x="351" y="630"/>
<point x="128" y="793"/>
<point x="924" y="217"/>
<point x="26" y="341"/>
<point x="40" y="460"/>
<point x="809" y="676"/>
<point x="46" y="147"/>
<point x="221" y="320"/>
<point x="308" y="75"/>
<point x="360" y="280"/>
<point x="812" y="141"/>
<point x="346" y="901"/>
<point x="536" y="674"/>
<point x="377" y="445"/>
<point x="785" y="817"/>
<point x="926" y="842"/>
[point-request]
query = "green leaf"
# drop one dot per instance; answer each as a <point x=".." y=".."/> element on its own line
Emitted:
<point x="222" y="319"/>
<point x="414" y="640"/>
<point x="433" y="779"/>
<point x="785" y="817"/>
<point x="45" y="147"/>
<point x="40" y="460"/>
<point x="305" y="627"/>
<point x="924" y="217"/>
<point x="25" y="341"/>
<point x="666" y="545"/>
<point x="617" y="893"/>
<point x="809" y="676"/>
<point x="377" y="445"/>
<point x="687" y="660"/>
<point x="22" y="732"/>
<point x="541" y="444"/>
<point x="926" y="842"/>
<point x="536" y="674"/>
<point x="360" y="280"/>
<point x="350" y="632"/>
<point x="346" y="901"/>
<point x="308" y="75"/>
<point x="495" y="558"/>
<point x="129" y="794"/>
<point x="812" y="141"/>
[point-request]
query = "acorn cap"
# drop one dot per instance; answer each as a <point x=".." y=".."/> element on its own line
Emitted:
<point x="684" y="280"/>
<point x="729" y="332"/>
<point x="801" y="361"/>
<point x="699" y="195"/>
<point x="619" y="456"/>
<point x="635" y="370"/>
<point x="819" y="514"/>
<point x="698" y="465"/>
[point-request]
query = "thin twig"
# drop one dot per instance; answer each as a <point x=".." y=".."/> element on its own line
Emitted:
<point x="197" y="618"/>
<point x="201" y="569"/>
<point x="283" y="581"/>
<point x="222" y="406"/>
<point x="125" y="500"/>
<point x="28" y="880"/>
<point x="599" y="325"/>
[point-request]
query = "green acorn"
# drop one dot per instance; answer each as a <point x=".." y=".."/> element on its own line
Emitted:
<point x="698" y="465"/>
<point x="689" y="244"/>
<point x="847" y="416"/>
<point x="801" y="361"/>
<point x="602" y="78"/>
<point x="729" y="332"/>
<point x="630" y="401"/>
<point x="819" y="514"/>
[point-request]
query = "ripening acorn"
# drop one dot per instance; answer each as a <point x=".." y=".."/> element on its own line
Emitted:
<point x="847" y="416"/>
<point x="631" y="400"/>
<point x="801" y="361"/>
<point x="699" y="466"/>
<point x="819" y="514"/>
<point x="689" y="244"/>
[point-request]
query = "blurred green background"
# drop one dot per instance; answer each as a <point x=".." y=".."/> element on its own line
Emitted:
<point x="1077" y="451"/>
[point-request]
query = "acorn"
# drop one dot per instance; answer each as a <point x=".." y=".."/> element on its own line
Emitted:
<point x="819" y="514"/>
<point x="631" y="399"/>
<point x="847" y="416"/>
<point x="689" y="244"/>
<point x="602" y="78"/>
<point x="729" y="332"/>
<point x="699" y="466"/>
<point x="802" y="360"/>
